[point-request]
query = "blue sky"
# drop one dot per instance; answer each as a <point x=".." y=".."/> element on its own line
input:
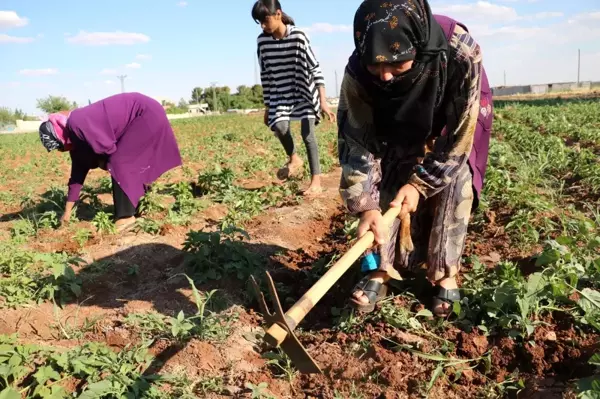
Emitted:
<point x="77" y="48"/>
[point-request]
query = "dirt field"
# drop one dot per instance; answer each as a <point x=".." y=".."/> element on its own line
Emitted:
<point x="89" y="313"/>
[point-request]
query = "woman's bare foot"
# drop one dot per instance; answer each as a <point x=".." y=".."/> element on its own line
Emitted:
<point x="291" y="168"/>
<point x="315" y="187"/>
<point x="124" y="223"/>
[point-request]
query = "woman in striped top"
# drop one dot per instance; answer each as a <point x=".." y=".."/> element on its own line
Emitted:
<point x="293" y="87"/>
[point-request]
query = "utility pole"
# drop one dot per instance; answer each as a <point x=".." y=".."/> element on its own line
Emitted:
<point x="578" y="66"/>
<point x="504" y="78"/>
<point x="337" y="94"/>
<point x="215" y="106"/>
<point x="122" y="79"/>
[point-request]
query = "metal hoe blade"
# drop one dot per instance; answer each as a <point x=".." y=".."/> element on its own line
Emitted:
<point x="291" y="346"/>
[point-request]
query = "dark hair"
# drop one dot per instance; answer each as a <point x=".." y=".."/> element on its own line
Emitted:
<point x="265" y="8"/>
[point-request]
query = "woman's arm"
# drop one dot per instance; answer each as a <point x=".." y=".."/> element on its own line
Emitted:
<point x="265" y="80"/>
<point x="313" y="65"/>
<point x="317" y="75"/>
<point x="361" y="171"/>
<point x="464" y="88"/>
<point x="78" y="174"/>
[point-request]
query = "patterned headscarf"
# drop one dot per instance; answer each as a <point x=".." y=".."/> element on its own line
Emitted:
<point x="52" y="132"/>
<point x="399" y="31"/>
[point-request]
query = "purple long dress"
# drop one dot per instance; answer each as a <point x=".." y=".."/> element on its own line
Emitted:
<point x="132" y="133"/>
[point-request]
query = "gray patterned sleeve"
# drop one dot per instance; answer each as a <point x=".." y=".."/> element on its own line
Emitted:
<point x="361" y="171"/>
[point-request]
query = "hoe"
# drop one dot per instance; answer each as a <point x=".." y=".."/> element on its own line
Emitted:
<point x="280" y="325"/>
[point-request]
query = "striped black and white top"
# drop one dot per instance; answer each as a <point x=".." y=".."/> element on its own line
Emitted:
<point x="290" y="75"/>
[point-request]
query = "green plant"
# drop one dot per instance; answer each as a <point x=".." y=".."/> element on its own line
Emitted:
<point x="103" y="223"/>
<point x="212" y="256"/>
<point x="31" y="277"/>
<point x="82" y="236"/>
<point x="147" y="226"/>
<point x="185" y="203"/>
<point x="22" y="229"/>
<point x="282" y="363"/>
<point x="99" y="371"/>
<point x="203" y="325"/>
<point x="150" y="202"/>
<point x="216" y="183"/>
<point x="259" y="391"/>
<point x="589" y="388"/>
<point x="48" y="220"/>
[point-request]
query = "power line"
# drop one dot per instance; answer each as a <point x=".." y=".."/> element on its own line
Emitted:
<point x="122" y="79"/>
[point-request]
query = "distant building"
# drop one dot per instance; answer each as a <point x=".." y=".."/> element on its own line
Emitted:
<point x="198" y="108"/>
<point x="164" y="101"/>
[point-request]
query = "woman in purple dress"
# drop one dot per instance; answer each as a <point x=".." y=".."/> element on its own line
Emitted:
<point x="128" y="135"/>
<point x="414" y="119"/>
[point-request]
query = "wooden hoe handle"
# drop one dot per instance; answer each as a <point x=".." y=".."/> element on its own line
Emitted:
<point x="276" y="334"/>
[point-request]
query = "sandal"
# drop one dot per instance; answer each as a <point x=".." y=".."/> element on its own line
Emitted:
<point x="373" y="290"/>
<point x="447" y="297"/>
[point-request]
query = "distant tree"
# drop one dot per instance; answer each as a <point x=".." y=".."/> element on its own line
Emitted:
<point x="223" y="96"/>
<point x="197" y="95"/>
<point x="182" y="104"/>
<point x="19" y="114"/>
<point x="257" y="92"/>
<point x="6" y="116"/>
<point x="55" y="104"/>
<point x="244" y="91"/>
<point x="246" y="97"/>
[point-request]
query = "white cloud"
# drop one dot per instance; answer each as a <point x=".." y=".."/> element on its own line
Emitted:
<point x="41" y="85"/>
<point x="38" y="72"/>
<point x="4" y="38"/>
<point x="108" y="38"/>
<point x="107" y="71"/>
<point x="587" y="17"/>
<point x="323" y="27"/>
<point x="143" y="57"/>
<point x="482" y="10"/>
<point x="10" y="84"/>
<point x="10" y="19"/>
<point x="182" y="4"/>
<point x="109" y="82"/>
<point x="504" y="32"/>
<point x="549" y="14"/>
<point x="133" y="65"/>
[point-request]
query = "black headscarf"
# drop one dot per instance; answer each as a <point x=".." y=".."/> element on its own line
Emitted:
<point x="398" y="31"/>
<point x="50" y="140"/>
